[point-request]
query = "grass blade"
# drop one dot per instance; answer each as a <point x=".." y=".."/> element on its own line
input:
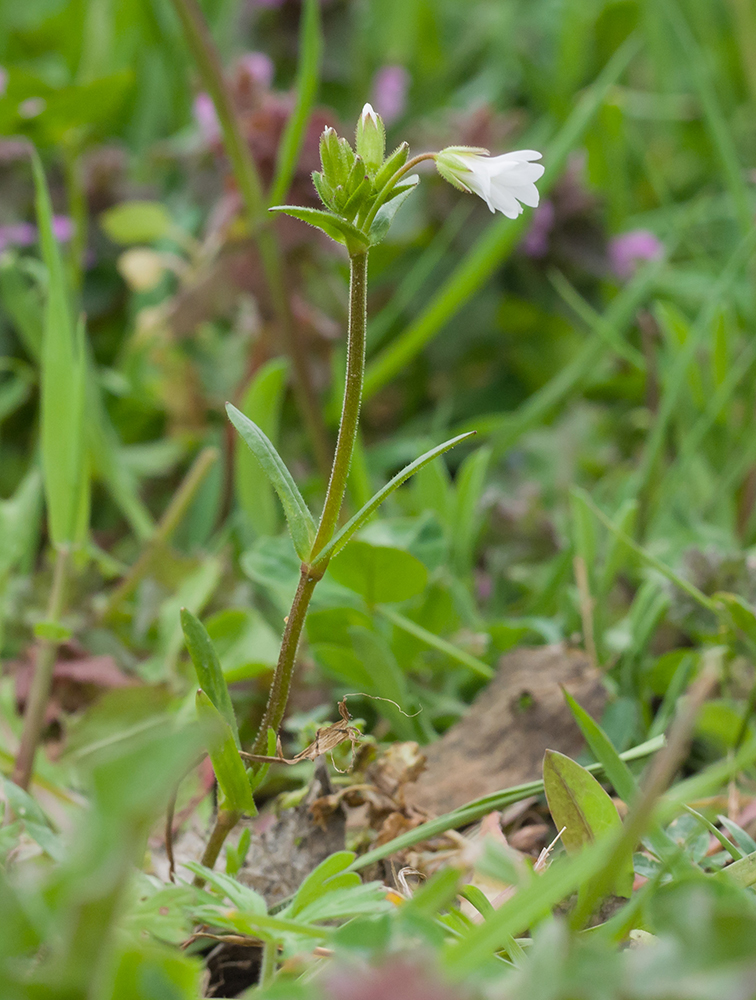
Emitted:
<point x="308" y="80"/>
<point x="63" y="389"/>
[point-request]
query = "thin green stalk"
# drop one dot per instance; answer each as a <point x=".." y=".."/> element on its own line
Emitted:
<point x="350" y="411"/>
<point x="350" y="415"/>
<point x="225" y="821"/>
<point x="171" y="519"/>
<point x="268" y="964"/>
<point x="77" y="207"/>
<point x="308" y="80"/>
<point x="203" y="49"/>
<point x="281" y="684"/>
<point x="391" y="184"/>
<point x="39" y="693"/>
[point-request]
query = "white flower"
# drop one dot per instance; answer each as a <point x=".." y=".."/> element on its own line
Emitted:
<point x="501" y="181"/>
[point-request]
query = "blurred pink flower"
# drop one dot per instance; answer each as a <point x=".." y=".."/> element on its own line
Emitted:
<point x="536" y="240"/>
<point x="630" y="249"/>
<point x="24" y="234"/>
<point x="3" y="80"/>
<point x="17" y="234"/>
<point x="258" y="67"/>
<point x="62" y="228"/>
<point x="397" y="979"/>
<point x="206" y="118"/>
<point x="390" y="92"/>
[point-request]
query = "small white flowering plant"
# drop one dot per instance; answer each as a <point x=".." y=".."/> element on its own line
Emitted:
<point x="362" y="189"/>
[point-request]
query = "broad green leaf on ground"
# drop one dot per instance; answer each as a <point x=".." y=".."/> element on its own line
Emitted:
<point x="379" y="573"/>
<point x="582" y="809"/>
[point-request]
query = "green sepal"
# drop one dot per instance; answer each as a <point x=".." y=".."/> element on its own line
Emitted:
<point x="338" y="229"/>
<point x="395" y="162"/>
<point x="370" y="140"/>
<point x="224" y="756"/>
<point x="208" y="669"/>
<point x="324" y="189"/>
<point x="362" y="198"/>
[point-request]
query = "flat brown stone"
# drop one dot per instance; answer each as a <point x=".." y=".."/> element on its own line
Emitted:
<point x="501" y="740"/>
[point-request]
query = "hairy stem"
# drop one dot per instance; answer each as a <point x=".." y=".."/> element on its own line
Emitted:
<point x="205" y="54"/>
<point x="281" y="684"/>
<point x="350" y="415"/>
<point x="350" y="411"/>
<point x="225" y="821"/>
<point x="39" y="693"/>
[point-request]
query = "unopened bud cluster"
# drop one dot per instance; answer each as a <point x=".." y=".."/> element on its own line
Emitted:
<point x="352" y="179"/>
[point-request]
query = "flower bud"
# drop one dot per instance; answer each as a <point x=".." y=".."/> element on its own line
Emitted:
<point x="371" y="139"/>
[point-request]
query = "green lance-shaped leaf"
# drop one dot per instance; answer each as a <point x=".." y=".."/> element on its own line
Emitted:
<point x="338" y="229"/>
<point x="208" y="668"/>
<point x="582" y="809"/>
<point x="63" y="389"/>
<point x="340" y="539"/>
<point x="330" y="874"/>
<point x="224" y="755"/>
<point x="262" y="404"/>
<point x="298" y="516"/>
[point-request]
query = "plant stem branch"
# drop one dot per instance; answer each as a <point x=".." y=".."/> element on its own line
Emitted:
<point x="205" y="54"/>
<point x="39" y="693"/>
<point x="268" y="964"/>
<point x="225" y="821"/>
<point x="174" y="514"/>
<point x="393" y="181"/>
<point x="350" y="415"/>
<point x="281" y="684"/>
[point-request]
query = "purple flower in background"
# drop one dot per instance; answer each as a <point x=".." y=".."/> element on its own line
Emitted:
<point x="3" y="80"/>
<point x="258" y="67"/>
<point x="267" y="3"/>
<point x="390" y="92"/>
<point x="206" y="118"/>
<point x="62" y="228"/>
<point x="17" y="234"/>
<point x="536" y="241"/>
<point x="24" y="234"/>
<point x="630" y="249"/>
